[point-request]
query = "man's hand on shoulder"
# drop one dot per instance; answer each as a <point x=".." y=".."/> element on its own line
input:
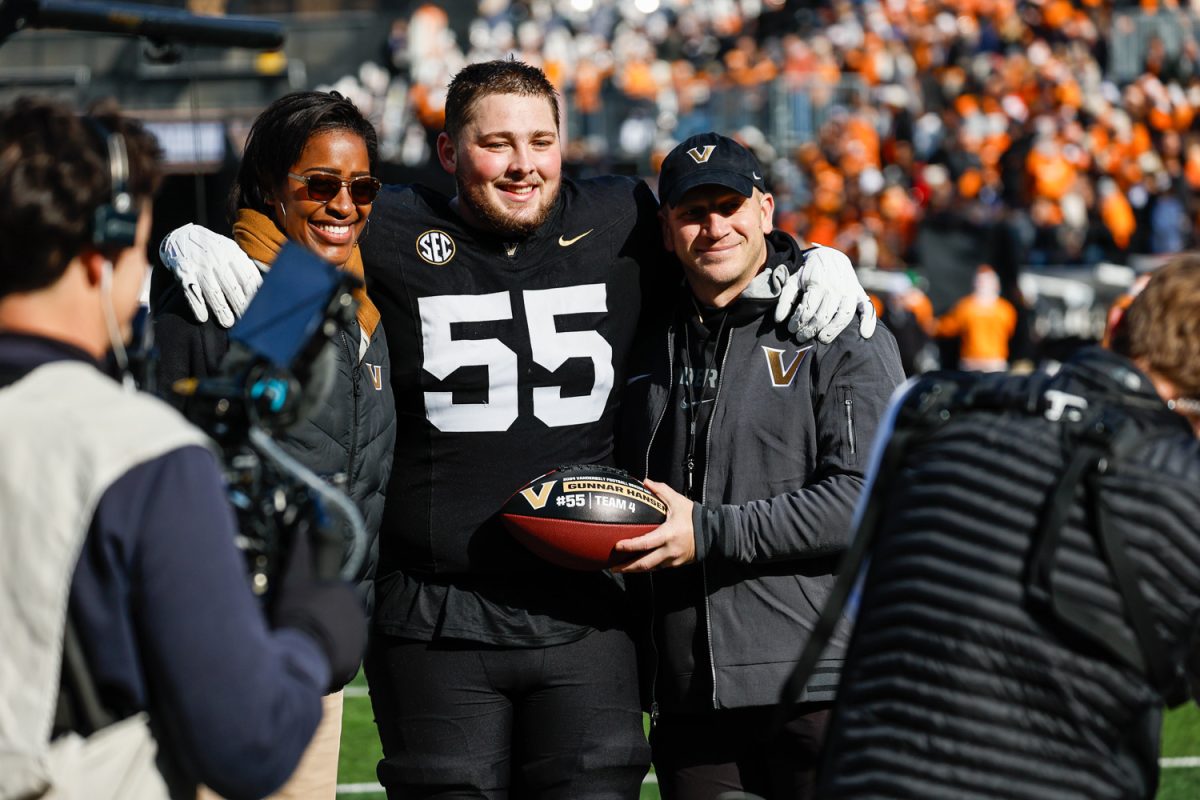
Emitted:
<point x="829" y="294"/>
<point x="671" y="544"/>
<point x="213" y="271"/>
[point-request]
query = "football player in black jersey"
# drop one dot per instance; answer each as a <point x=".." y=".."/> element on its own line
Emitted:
<point x="509" y="310"/>
<point x="492" y="672"/>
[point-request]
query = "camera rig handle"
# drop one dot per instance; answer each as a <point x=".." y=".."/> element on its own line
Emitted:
<point x="332" y="498"/>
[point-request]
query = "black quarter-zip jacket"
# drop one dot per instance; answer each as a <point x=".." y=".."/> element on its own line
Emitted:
<point x="781" y="460"/>
<point x="508" y="359"/>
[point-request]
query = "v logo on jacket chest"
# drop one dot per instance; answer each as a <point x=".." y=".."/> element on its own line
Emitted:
<point x="376" y="373"/>
<point x="783" y="374"/>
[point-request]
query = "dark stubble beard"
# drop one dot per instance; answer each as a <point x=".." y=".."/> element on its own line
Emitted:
<point x="475" y="197"/>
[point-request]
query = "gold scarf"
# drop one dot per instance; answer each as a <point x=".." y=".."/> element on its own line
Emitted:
<point x="260" y="238"/>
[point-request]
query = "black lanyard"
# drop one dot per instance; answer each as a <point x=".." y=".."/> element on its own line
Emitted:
<point x="693" y="400"/>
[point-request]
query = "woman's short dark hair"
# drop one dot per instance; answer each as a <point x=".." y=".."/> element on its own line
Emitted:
<point x="278" y="137"/>
<point x="54" y="174"/>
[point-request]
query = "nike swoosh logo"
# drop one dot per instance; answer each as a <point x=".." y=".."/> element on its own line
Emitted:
<point x="565" y="242"/>
<point x="637" y="378"/>
<point x="684" y="404"/>
<point x="757" y="177"/>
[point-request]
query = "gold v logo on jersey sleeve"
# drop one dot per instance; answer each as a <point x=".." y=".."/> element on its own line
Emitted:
<point x="565" y="242"/>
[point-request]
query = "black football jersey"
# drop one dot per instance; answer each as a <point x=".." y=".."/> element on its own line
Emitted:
<point x="507" y="359"/>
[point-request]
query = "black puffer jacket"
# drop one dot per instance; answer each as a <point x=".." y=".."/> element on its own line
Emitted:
<point x="349" y="441"/>
<point x="968" y="678"/>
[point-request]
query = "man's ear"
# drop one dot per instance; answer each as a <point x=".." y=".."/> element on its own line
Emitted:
<point x="767" y="205"/>
<point x="447" y="153"/>
<point x="1163" y="386"/>
<point x="93" y="263"/>
<point x="667" y="240"/>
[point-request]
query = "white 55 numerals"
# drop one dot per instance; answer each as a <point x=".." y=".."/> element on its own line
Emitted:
<point x="550" y="348"/>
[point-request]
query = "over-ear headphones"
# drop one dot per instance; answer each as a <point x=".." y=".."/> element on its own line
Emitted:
<point x="115" y="222"/>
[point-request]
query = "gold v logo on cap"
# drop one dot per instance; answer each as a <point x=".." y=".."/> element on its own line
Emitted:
<point x="701" y="154"/>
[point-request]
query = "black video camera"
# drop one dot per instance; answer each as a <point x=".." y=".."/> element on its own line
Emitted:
<point x="279" y="367"/>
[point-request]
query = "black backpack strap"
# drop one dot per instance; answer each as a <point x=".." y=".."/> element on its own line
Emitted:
<point x="1163" y="674"/>
<point x="924" y="409"/>
<point x="1055" y="510"/>
<point x="1108" y="435"/>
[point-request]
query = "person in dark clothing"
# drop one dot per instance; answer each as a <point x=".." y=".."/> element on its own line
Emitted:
<point x="306" y="175"/>
<point x="760" y="447"/>
<point x="120" y="571"/>
<point x="510" y="309"/>
<point x="1030" y="602"/>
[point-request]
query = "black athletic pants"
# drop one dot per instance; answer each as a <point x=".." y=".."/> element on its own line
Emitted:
<point x="702" y="756"/>
<point x="464" y="720"/>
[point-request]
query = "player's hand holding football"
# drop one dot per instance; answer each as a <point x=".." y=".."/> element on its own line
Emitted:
<point x="671" y="544"/>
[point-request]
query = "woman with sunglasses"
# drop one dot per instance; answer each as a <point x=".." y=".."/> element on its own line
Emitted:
<point x="306" y="175"/>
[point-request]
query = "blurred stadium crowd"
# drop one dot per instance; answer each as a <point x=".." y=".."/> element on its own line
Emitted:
<point x="1071" y="125"/>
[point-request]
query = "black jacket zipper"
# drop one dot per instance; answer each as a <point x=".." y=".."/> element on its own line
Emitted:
<point x="355" y="382"/>
<point x="712" y="660"/>
<point x="646" y="473"/>
<point x="848" y="403"/>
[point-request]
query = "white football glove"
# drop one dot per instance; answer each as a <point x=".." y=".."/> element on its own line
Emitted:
<point x="829" y="294"/>
<point x="213" y="270"/>
<point x="768" y="285"/>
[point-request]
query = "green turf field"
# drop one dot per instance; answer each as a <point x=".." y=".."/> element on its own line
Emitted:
<point x="360" y="751"/>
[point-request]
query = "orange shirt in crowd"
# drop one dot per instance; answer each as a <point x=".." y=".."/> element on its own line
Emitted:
<point x="1052" y="172"/>
<point x="637" y="80"/>
<point x="984" y="328"/>
<point x="589" y="83"/>
<point x="1118" y="217"/>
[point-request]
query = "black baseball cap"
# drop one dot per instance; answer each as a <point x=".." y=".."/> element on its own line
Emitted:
<point x="708" y="158"/>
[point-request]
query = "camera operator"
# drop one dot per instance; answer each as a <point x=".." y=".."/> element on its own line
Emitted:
<point x="118" y="537"/>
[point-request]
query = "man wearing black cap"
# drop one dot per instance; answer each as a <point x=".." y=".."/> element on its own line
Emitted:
<point x="760" y="446"/>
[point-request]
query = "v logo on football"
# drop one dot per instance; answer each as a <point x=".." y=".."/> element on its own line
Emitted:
<point x="537" y="499"/>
